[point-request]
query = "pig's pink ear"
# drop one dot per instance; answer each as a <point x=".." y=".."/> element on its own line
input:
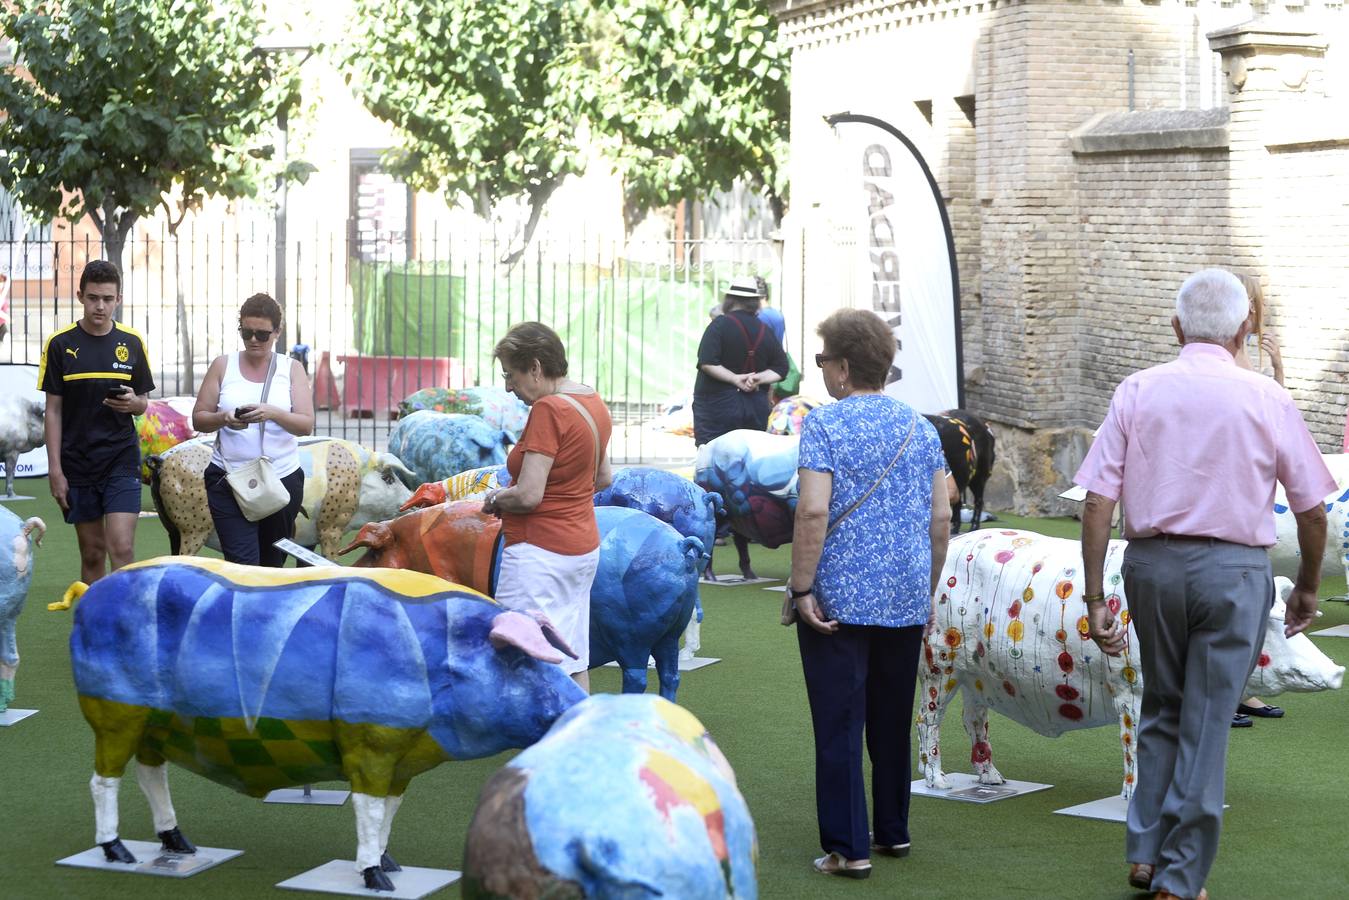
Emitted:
<point x="515" y="629"/>
<point x="552" y="634"/>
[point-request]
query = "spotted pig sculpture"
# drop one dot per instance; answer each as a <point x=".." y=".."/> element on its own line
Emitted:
<point x="345" y="486"/>
<point x="20" y="431"/>
<point x="266" y="678"/>
<point x="653" y="812"/>
<point x="642" y="597"/>
<point x="17" y="537"/>
<point x="1285" y="556"/>
<point x="437" y="445"/>
<point x="1011" y="635"/>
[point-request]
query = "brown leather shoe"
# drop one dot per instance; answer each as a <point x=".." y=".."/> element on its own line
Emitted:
<point x="1167" y="895"/>
<point x="1140" y="876"/>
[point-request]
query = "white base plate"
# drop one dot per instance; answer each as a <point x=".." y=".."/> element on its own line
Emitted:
<point x="12" y="715"/>
<point x="151" y="861"/>
<point x="1107" y="809"/>
<point x="1337" y="631"/>
<point x="7" y="499"/>
<point x="340" y="876"/>
<point x="736" y="580"/>
<point x="966" y="787"/>
<point x="312" y="798"/>
<point x="685" y="665"/>
<point x="780" y="588"/>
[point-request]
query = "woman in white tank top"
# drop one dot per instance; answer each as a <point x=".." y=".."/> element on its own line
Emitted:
<point x="231" y="404"/>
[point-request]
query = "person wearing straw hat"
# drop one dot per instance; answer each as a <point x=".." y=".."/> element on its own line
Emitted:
<point x="738" y="359"/>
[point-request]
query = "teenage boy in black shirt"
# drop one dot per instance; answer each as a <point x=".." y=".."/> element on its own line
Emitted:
<point x="96" y="375"/>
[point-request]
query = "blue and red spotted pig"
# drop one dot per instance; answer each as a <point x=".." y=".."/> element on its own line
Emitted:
<point x="266" y="678"/>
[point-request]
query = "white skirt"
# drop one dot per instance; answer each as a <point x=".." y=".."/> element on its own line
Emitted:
<point x="558" y="586"/>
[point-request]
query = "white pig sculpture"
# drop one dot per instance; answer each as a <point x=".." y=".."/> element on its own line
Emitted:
<point x="1011" y="632"/>
<point x="1284" y="556"/>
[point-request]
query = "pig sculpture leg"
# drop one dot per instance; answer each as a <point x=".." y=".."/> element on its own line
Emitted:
<point x="117" y="737"/>
<point x="1127" y="705"/>
<point x="981" y="753"/>
<point x="9" y="662"/>
<point x="933" y="700"/>
<point x="666" y="653"/>
<point x="373" y="818"/>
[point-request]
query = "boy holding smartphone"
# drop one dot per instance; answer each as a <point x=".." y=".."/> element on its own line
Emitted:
<point x="96" y="374"/>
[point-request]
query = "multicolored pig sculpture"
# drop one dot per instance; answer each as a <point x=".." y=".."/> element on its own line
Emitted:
<point x="1011" y="635"/>
<point x="165" y="424"/>
<point x="17" y="537"/>
<point x="1285" y="555"/>
<point x="626" y="796"/>
<point x="475" y="483"/>
<point x="437" y="445"/>
<point x="345" y="486"/>
<point x="266" y="678"/>
<point x="641" y="600"/>
<point x="788" y="414"/>
<point x="498" y="407"/>
<point x="676" y="501"/>
<point x="755" y="474"/>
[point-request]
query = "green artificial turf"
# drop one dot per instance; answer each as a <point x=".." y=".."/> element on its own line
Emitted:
<point x="1285" y="833"/>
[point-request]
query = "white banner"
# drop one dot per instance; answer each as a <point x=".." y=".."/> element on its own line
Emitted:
<point x="906" y="268"/>
<point x="22" y="380"/>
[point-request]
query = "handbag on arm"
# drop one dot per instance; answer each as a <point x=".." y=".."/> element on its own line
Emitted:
<point x="257" y="489"/>
<point x="788" y="604"/>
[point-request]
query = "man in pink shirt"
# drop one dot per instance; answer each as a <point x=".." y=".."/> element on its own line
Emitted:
<point x="1194" y="448"/>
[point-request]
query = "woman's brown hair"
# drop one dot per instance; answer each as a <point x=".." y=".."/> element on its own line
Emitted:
<point x="866" y="342"/>
<point x="529" y="341"/>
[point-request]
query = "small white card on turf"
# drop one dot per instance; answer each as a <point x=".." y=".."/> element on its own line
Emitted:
<point x="150" y="860"/>
<point x="340" y="876"/>
<point x="966" y="787"/>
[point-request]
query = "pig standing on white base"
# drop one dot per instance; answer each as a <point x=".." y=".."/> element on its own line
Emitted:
<point x="1011" y="632"/>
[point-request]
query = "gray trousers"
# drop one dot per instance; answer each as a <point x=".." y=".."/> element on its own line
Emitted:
<point x="1199" y="608"/>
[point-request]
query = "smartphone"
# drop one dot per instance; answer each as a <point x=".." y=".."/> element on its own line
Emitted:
<point x="241" y="411"/>
<point x="116" y="391"/>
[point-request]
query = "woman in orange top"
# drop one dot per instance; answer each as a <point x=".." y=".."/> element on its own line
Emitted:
<point x="548" y="512"/>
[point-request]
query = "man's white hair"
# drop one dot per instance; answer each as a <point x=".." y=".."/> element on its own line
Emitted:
<point x="1211" y="306"/>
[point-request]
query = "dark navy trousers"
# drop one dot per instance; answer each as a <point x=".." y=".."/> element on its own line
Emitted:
<point x="242" y="541"/>
<point x="860" y="681"/>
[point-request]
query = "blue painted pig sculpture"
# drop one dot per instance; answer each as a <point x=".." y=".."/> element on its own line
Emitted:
<point x="437" y="445"/>
<point x="642" y="597"/>
<point x="16" y="574"/>
<point x="266" y="678"/>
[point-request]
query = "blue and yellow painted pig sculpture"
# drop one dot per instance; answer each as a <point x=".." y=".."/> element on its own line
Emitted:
<point x="266" y="678"/>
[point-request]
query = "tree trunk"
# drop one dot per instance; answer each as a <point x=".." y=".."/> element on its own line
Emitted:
<point x="189" y="369"/>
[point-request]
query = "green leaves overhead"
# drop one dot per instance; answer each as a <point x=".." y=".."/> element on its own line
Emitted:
<point x="503" y="100"/>
<point x="125" y="99"/>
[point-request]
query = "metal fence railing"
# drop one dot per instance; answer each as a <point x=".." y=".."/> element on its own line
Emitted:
<point x="374" y="326"/>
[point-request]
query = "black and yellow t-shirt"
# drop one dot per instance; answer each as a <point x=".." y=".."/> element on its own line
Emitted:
<point x="96" y="442"/>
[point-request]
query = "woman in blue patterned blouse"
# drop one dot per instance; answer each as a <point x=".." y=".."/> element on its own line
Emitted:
<point x="870" y="541"/>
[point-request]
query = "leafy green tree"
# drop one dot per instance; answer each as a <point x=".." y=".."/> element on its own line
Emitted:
<point x="113" y="107"/>
<point x="503" y="101"/>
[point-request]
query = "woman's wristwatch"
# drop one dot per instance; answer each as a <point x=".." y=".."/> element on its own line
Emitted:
<point x="797" y="595"/>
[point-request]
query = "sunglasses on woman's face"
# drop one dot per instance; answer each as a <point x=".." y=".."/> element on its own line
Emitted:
<point x="255" y="334"/>
<point x="822" y="358"/>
